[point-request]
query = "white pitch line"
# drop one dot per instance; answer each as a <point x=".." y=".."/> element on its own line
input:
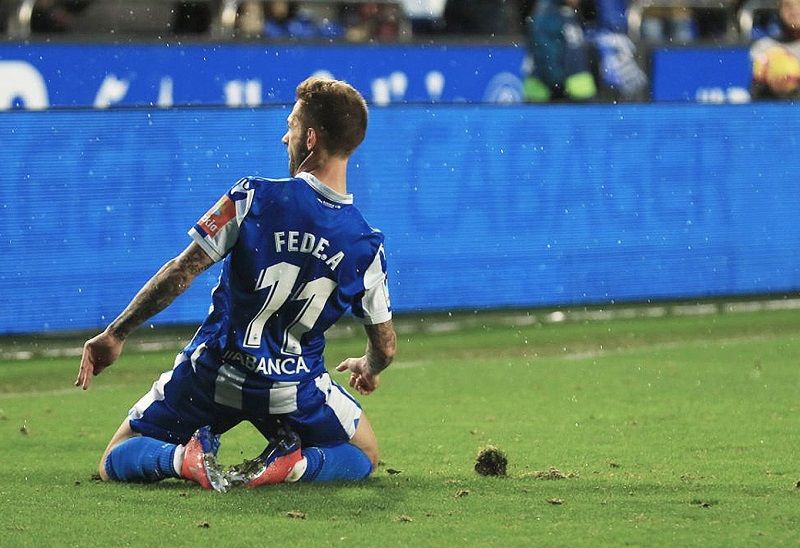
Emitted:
<point x="511" y="319"/>
<point x="593" y="354"/>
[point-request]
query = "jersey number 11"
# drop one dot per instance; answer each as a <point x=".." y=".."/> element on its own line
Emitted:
<point x="280" y="279"/>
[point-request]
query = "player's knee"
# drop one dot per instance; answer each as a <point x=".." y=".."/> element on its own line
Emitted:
<point x="365" y="440"/>
<point x="101" y="469"/>
<point x="372" y="455"/>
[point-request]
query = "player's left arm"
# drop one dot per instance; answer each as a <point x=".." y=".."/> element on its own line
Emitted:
<point x="381" y="348"/>
<point x="170" y="281"/>
<point x="373" y="307"/>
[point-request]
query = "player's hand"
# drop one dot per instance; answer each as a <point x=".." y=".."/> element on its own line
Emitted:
<point x="98" y="353"/>
<point x="361" y="378"/>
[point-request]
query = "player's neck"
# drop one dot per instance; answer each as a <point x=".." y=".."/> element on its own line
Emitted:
<point x="332" y="173"/>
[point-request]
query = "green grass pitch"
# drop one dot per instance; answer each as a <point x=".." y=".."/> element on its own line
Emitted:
<point x="673" y="430"/>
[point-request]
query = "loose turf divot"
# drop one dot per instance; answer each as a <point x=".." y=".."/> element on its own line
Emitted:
<point x="704" y="503"/>
<point x="552" y="473"/>
<point x="296" y="514"/>
<point x="491" y="461"/>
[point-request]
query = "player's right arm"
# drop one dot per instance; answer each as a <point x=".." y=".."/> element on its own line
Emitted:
<point x="170" y="281"/>
<point x="381" y="347"/>
<point x="214" y="235"/>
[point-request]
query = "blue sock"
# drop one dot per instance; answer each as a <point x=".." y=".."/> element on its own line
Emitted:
<point x="344" y="462"/>
<point x="141" y="459"/>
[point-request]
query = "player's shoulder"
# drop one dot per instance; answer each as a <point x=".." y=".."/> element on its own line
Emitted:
<point x="362" y="226"/>
<point x="255" y="181"/>
<point x="374" y="234"/>
<point x="368" y="239"/>
<point x="264" y="187"/>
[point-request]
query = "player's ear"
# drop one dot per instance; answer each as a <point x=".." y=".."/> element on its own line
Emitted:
<point x="311" y="138"/>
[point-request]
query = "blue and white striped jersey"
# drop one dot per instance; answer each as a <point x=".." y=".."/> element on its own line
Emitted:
<point x="296" y="256"/>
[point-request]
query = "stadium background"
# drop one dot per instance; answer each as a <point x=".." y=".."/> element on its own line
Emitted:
<point x="486" y="203"/>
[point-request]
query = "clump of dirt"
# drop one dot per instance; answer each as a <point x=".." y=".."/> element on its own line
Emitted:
<point x="491" y="461"/>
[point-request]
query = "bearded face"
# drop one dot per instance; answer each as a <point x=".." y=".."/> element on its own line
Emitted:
<point x="295" y="140"/>
<point x="298" y="152"/>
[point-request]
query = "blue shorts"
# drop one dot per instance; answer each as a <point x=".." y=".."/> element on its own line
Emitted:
<point x="195" y="394"/>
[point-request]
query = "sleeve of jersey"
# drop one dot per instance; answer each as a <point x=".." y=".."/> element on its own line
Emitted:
<point x="217" y="231"/>
<point x="373" y="305"/>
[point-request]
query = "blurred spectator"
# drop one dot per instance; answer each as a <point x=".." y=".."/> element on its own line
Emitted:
<point x="669" y="25"/>
<point x="486" y="17"/>
<point x="281" y="20"/>
<point x="56" y="16"/>
<point x="618" y="70"/>
<point x="559" y="55"/>
<point x="289" y="20"/>
<point x="372" y="21"/>
<point x="776" y="60"/>
<point x="765" y="23"/>
<point x="250" y="18"/>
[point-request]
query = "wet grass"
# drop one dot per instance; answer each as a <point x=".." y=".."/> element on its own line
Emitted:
<point x="660" y="431"/>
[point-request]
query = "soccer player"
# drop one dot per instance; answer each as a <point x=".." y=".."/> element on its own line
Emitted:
<point x="296" y="255"/>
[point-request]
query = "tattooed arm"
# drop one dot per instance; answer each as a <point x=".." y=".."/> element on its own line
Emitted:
<point x="381" y="346"/>
<point x="365" y="371"/>
<point x="170" y="281"/>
